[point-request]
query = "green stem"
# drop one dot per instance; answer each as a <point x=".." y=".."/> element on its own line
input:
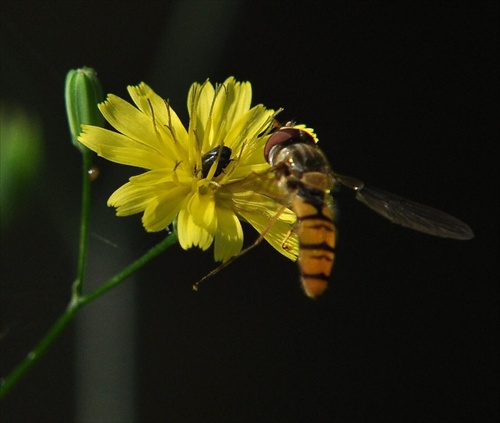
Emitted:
<point x="72" y="309"/>
<point x="33" y="356"/>
<point x="84" y="225"/>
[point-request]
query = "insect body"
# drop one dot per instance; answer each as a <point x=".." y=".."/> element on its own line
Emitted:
<point x="303" y="173"/>
<point x="222" y="154"/>
<point x="302" y="170"/>
<point x="303" y="178"/>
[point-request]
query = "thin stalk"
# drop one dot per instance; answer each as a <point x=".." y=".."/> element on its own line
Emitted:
<point x="34" y="355"/>
<point x="84" y="225"/>
<point x="132" y="268"/>
<point x="74" y="306"/>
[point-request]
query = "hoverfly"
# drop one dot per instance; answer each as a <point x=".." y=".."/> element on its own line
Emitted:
<point x="304" y="177"/>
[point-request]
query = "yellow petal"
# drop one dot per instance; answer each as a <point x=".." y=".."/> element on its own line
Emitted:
<point x="249" y="125"/>
<point x="260" y="210"/>
<point x="240" y="98"/>
<point x="280" y="235"/>
<point x="200" y="100"/>
<point x="201" y="207"/>
<point x="231" y="103"/>
<point x="131" y="122"/>
<point x="255" y="196"/>
<point x="130" y="199"/>
<point x="160" y="176"/>
<point x="190" y="234"/>
<point x="120" y="149"/>
<point x="229" y="235"/>
<point x="166" y="121"/>
<point x="164" y="209"/>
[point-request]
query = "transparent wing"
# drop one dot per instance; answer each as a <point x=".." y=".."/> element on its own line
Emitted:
<point x="408" y="213"/>
<point x="264" y="183"/>
<point x="260" y="201"/>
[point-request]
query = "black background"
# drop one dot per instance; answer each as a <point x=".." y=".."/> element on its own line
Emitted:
<point x="401" y="95"/>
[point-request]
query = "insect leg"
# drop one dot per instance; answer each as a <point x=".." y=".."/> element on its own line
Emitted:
<point x="245" y="250"/>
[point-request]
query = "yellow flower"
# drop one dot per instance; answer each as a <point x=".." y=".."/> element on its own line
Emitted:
<point x="207" y="178"/>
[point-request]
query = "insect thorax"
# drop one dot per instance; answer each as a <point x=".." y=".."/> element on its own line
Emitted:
<point x="302" y="166"/>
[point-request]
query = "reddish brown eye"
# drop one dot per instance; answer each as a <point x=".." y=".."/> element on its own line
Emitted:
<point x="278" y="137"/>
<point x="286" y="136"/>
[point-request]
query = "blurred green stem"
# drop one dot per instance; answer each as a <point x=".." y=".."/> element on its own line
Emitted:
<point x="84" y="225"/>
<point x="78" y="302"/>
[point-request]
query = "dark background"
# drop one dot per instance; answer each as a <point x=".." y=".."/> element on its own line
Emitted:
<point x="401" y="95"/>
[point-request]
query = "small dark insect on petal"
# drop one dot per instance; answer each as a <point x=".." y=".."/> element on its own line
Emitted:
<point x="209" y="159"/>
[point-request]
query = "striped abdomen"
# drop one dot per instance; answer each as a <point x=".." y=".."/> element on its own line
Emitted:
<point x="316" y="233"/>
<point x="303" y="172"/>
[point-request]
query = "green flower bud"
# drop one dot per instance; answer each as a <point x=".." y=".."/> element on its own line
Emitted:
<point x="83" y="92"/>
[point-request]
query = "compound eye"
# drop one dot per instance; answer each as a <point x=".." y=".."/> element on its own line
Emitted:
<point x="286" y="136"/>
<point x="279" y="137"/>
